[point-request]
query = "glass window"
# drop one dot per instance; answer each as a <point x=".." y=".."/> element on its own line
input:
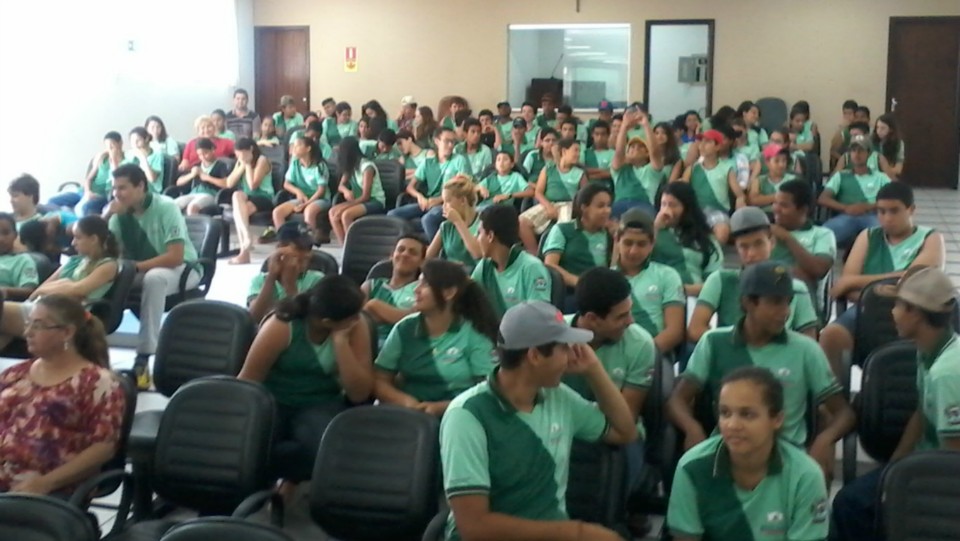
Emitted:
<point x="587" y="63"/>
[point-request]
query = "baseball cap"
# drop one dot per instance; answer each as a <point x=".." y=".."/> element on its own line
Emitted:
<point x="636" y="141"/>
<point x="537" y="323"/>
<point x="636" y="218"/>
<point x="766" y="279"/>
<point x="296" y="233"/>
<point x="861" y="141"/>
<point x="519" y="123"/>
<point x="748" y="219"/>
<point x="713" y="135"/>
<point x="605" y="106"/>
<point x="927" y="288"/>
<point x="407" y="100"/>
<point x="773" y="149"/>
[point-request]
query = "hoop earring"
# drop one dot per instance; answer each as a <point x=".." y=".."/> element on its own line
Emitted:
<point x="66" y="345"/>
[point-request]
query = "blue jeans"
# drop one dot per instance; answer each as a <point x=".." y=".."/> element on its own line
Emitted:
<point x="846" y="227"/>
<point x="855" y="509"/>
<point x="431" y="221"/>
<point x="635" y="465"/>
<point x="619" y="207"/>
<point x="90" y="204"/>
<point x="66" y="199"/>
<point x="406" y="212"/>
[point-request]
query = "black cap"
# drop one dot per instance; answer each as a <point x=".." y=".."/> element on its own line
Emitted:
<point x="766" y="279"/>
<point x="636" y="218"/>
<point x="295" y="233"/>
<point x="519" y="123"/>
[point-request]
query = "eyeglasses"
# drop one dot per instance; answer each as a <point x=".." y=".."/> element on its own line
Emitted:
<point x="40" y="326"/>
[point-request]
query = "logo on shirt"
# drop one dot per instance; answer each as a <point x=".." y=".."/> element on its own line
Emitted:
<point x="783" y="373"/>
<point x="449" y="355"/>
<point x="819" y="511"/>
<point x="653" y="293"/>
<point x="540" y="284"/>
<point x="952" y="413"/>
<point x="774" y="524"/>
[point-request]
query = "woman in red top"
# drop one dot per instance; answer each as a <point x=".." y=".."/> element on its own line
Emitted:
<point x="223" y="148"/>
<point x="60" y="413"/>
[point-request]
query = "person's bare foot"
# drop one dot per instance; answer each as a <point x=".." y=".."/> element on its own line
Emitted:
<point x="242" y="258"/>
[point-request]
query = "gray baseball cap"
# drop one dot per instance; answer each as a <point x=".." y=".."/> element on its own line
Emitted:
<point x="537" y="323"/>
<point x="748" y="219"/>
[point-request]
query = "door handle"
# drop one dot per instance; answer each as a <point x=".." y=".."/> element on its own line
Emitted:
<point x="893" y="104"/>
<point x="304" y="100"/>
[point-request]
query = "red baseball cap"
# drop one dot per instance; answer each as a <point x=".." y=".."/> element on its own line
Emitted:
<point x="773" y="149"/>
<point x="713" y="135"/>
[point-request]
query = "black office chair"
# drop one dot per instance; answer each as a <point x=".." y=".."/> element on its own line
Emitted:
<point x="920" y="497"/>
<point x="319" y="261"/>
<point x="43" y="518"/>
<point x="212" y="454"/>
<point x="45" y="267"/>
<point x="597" y="485"/>
<point x="392" y="178"/>
<point x="380" y="473"/>
<point x="875" y="326"/>
<point x="170" y="166"/>
<point x="383" y="269"/>
<point x="234" y="529"/>
<point x="887" y="399"/>
<point x="558" y="289"/>
<point x="369" y="240"/>
<point x="198" y="338"/>
<point x="109" y="308"/>
<point x="660" y="447"/>
<point x="773" y="113"/>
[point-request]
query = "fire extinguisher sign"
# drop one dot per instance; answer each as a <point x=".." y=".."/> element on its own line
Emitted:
<point x="350" y="60"/>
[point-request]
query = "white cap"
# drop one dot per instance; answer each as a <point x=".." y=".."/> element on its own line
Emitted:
<point x="407" y="100"/>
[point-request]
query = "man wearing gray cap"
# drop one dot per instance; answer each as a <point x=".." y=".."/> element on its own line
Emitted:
<point x="750" y="231"/>
<point x="925" y="304"/>
<point x="853" y="194"/>
<point x="505" y="443"/>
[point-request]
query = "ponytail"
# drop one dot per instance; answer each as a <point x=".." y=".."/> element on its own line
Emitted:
<point x="473" y="305"/>
<point x="292" y="308"/>
<point x="96" y="226"/>
<point x="334" y="297"/>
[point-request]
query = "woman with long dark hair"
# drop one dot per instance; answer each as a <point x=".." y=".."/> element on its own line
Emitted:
<point x="252" y="184"/>
<point x="888" y="147"/>
<point x="684" y="240"/>
<point x="424" y="126"/>
<point x="360" y="187"/>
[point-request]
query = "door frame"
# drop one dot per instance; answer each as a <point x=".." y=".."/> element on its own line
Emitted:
<point x="710" y="23"/>
<point x="257" y="32"/>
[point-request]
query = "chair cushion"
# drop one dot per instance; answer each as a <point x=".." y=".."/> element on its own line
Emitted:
<point x="149" y="530"/>
<point x="143" y="435"/>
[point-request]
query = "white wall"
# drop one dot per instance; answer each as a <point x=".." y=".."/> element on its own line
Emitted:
<point x="668" y="97"/>
<point x="80" y="80"/>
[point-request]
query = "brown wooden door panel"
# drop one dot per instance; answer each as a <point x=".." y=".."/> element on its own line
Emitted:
<point x="923" y="89"/>
<point x="282" y="66"/>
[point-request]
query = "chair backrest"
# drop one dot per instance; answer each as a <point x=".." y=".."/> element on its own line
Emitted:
<point x="234" y="529"/>
<point x="319" y="261"/>
<point x="661" y="443"/>
<point x="558" y="289"/>
<point x="42" y="518"/>
<point x="334" y="170"/>
<point x="119" y="460"/>
<point x="110" y="308"/>
<point x="597" y="485"/>
<point x="170" y="166"/>
<point x="213" y="445"/>
<point x="383" y="269"/>
<point x="773" y="113"/>
<point x="369" y="240"/>
<point x="888" y="398"/>
<point x="204" y="233"/>
<point x="875" y="325"/>
<point x="201" y="338"/>
<point x="275" y="154"/>
<point x="392" y="177"/>
<point x="45" y="267"/>
<point x="920" y="497"/>
<point x="381" y="474"/>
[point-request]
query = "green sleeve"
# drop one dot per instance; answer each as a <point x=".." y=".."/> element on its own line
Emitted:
<point x="539" y="281"/>
<point x="482" y="356"/>
<point x="764" y="137"/>
<point x="310" y="279"/>
<point x="672" y="287"/>
<point x="174" y="227"/>
<point x="698" y="367"/>
<point x="683" y="511"/>
<point x="825" y="245"/>
<point x="642" y="356"/>
<point x="944" y="392"/>
<point x="555" y="242"/>
<point x="589" y="423"/>
<point x="804" y="315"/>
<point x="515" y="183"/>
<point x="292" y="172"/>
<point x="823" y="383"/>
<point x="808" y="517"/>
<point x="528" y="161"/>
<point x="420" y="175"/>
<point x="462" y="166"/>
<point x="389" y="357"/>
<point x="715" y="262"/>
<point x="255" y="286"/>
<point x="463" y="454"/>
<point x="833" y="184"/>
<point x="711" y="292"/>
<point x="486" y="160"/>
<point x="884" y="179"/>
<point x="26" y="272"/>
<point x="172" y="147"/>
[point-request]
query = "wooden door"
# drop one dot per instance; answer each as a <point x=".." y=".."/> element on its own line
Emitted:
<point x="282" y="67"/>
<point x="923" y="91"/>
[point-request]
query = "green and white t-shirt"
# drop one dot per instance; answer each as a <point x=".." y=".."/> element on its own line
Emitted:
<point x="155" y="161"/>
<point x="18" y="270"/>
<point x="692" y="264"/>
<point x="309" y="178"/>
<point x="721" y="293"/>
<point x="402" y="298"/>
<point x="815" y="239"/>
<point x="305" y="372"/>
<point x="376" y="190"/>
<point x="653" y="289"/>
<point x="519" y="460"/>
<point x="413" y="162"/>
<point x="504" y="185"/>
<point x="533" y="163"/>
<point x="850" y="188"/>
<point x="770" y="186"/>
<point x="938" y="384"/>
<point x="795" y="359"/>
<point x="580" y="250"/>
<point x="525" y="278"/>
<point x="440" y="368"/>
<point x="883" y="257"/>
<point x="147" y="235"/>
<point x="454" y="249"/>
<point x="478" y="160"/>
<point x="637" y="183"/>
<point x="789" y="504"/>
<point x="562" y="186"/>
<point x="79" y="267"/>
<point x="712" y="185"/>
<point x="596" y="159"/>
<point x="431" y="175"/>
<point x="305" y="281"/>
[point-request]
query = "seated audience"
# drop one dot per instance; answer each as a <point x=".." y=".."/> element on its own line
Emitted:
<point x="457" y="239"/>
<point x="637" y="171"/>
<point x="252" y="183"/>
<point x="219" y="119"/>
<point x="160" y="140"/>
<point x="659" y="305"/>
<point x="223" y="148"/>
<point x="142" y="154"/>
<point x="344" y="126"/>
<point x="841" y="138"/>
<point x="268" y="133"/>
<point x="555" y="191"/>
<point x="714" y="180"/>
<point x="408" y="111"/>
<point x="747" y="482"/>
<point x="383" y="148"/>
<point x="478" y="154"/>
<point x="721" y="296"/>
<point x="18" y="271"/>
<point x="444" y="348"/>
<point x="747" y="158"/>
<point x="884" y="252"/>
<point x="761" y="338"/>
<point x="204" y="180"/>
<point x="489" y="134"/>
<point x="573" y="248"/>
<point x="888" y="147"/>
<point x="288" y="271"/>
<point x="60" y="411"/>
<point x="240" y="120"/>
<point x="373" y="110"/>
<point x="412" y="153"/>
<point x="99" y="179"/>
<point x="763" y="188"/>
<point x="853" y="194"/>
<point x="598" y="156"/>
<point x="424" y="126"/>
<point x="925" y="302"/>
<point x="519" y="144"/>
<point x="504" y="183"/>
<point x="505" y="443"/>
<point x="314" y="356"/>
<point x="57" y="227"/>
<point x="391" y="299"/>
<point x="541" y="156"/>
<point x="801" y="125"/>
<point x="757" y="137"/>
<point x="508" y="273"/>
<point x="287" y="118"/>
<point x="152" y="233"/>
<point x="360" y="188"/>
<point x="307" y="180"/>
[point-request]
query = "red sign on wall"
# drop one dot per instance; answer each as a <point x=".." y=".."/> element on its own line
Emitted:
<point x="350" y="60"/>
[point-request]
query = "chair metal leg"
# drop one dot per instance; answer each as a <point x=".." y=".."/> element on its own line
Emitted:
<point x="142" y="492"/>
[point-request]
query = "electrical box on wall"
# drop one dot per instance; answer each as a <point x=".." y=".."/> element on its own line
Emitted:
<point x="693" y="69"/>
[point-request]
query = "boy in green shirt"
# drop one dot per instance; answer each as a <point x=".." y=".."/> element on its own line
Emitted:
<point x="505" y="443"/>
<point x="287" y="273"/>
<point x="411" y="153"/>
<point x="841" y="138"/>
<point x="519" y="144"/>
<point x="714" y="180"/>
<point x="57" y="225"/>
<point x="637" y="172"/>
<point x="287" y="118"/>
<point x="152" y="232"/>
<point x="99" y="179"/>
<point x="763" y="187"/>
<point x="598" y="158"/>
<point x="853" y="194"/>
<point x="476" y="153"/>
<point x="391" y="299"/>
<point x="150" y="161"/>
<point x="925" y="302"/>
<point x="205" y="179"/>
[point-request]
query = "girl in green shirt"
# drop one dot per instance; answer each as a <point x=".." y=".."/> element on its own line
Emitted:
<point x="575" y="247"/>
<point x="252" y="183"/>
<point x="360" y="187"/>
<point x="457" y="238"/>
<point x="307" y="180"/>
<point x="757" y="137"/>
<point x="372" y="109"/>
<point x="149" y="160"/>
<point x="160" y="140"/>
<point x="219" y="119"/>
<point x="535" y="161"/>
<point x="314" y="356"/>
<point x="684" y="240"/>
<point x="268" y="133"/>
<point x="886" y="140"/>
<point x="801" y="125"/>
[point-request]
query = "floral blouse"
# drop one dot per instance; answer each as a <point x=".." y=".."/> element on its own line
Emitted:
<point x="42" y="428"/>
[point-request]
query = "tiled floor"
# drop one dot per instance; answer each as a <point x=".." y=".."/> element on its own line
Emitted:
<point x="936" y="208"/>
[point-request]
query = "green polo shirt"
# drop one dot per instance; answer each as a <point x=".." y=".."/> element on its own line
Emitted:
<point x="533" y="163"/>
<point x="504" y="185"/>
<point x="596" y="159"/>
<point x="757" y="138"/>
<point x="169" y="147"/>
<point x="637" y="183"/>
<point x="528" y="145"/>
<point x="305" y="281"/>
<point x="348" y="129"/>
<point x="815" y="239"/>
<point x="653" y="289"/>
<point x="479" y="160"/>
<point x="453" y="247"/>
<point x="849" y="188"/>
<point x="102" y="181"/>
<point x="770" y="186"/>
<point x="148" y="234"/>
<point x="309" y="178"/>
<point x="431" y="175"/>
<point x="789" y="504"/>
<point x="440" y="368"/>
<point x="402" y="298"/>
<point x="155" y="161"/>
<point x="796" y="360"/>
<point x="79" y="267"/>
<point x="711" y="185"/>
<point x="519" y="460"/>
<point x="305" y="373"/>
<point x="413" y="162"/>
<point x="525" y="278"/>
<point x="18" y="270"/>
<point x="287" y="124"/>
<point x="376" y="190"/>
<point x="629" y="363"/>
<point x="580" y="250"/>
<point x="883" y="257"/>
<point x="938" y="383"/>
<point x="721" y="293"/>
<point x="691" y="263"/>
<point x="562" y="186"/>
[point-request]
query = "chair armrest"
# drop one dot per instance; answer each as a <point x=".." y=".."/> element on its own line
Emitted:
<point x="81" y="496"/>
<point x="254" y="502"/>
<point x="200" y="265"/>
<point x="403" y="198"/>
<point x="434" y="531"/>
<point x="70" y="184"/>
<point x="282" y="197"/>
<point x="225" y="196"/>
